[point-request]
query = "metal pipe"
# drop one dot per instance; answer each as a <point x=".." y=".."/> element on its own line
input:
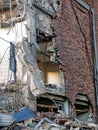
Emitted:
<point x="25" y="10"/>
<point x="23" y="16"/>
<point x="95" y="54"/>
<point x="83" y="4"/>
<point x="47" y="120"/>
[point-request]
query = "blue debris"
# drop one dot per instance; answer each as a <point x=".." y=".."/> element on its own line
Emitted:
<point x="12" y="60"/>
<point x="23" y="114"/>
<point x="12" y="57"/>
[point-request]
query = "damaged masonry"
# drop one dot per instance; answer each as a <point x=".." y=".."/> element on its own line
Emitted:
<point x="48" y="65"/>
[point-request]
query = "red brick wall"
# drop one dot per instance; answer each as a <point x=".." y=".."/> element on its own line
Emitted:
<point x="73" y="29"/>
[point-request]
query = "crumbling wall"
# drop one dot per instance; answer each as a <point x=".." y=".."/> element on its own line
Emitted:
<point x="13" y="97"/>
<point x="45" y="12"/>
<point x="74" y="42"/>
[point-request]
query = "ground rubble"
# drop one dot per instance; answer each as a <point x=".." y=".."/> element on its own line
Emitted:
<point x="14" y="115"/>
<point x="30" y="120"/>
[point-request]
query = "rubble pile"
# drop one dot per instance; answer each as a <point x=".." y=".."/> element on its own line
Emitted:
<point x="15" y="114"/>
<point x="26" y="119"/>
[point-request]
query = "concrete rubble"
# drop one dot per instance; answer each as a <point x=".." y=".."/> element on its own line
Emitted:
<point x="19" y="114"/>
<point x="25" y="118"/>
<point x="47" y="121"/>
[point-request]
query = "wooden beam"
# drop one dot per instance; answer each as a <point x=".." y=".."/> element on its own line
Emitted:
<point x="46" y="106"/>
<point x="59" y="98"/>
<point x="81" y="103"/>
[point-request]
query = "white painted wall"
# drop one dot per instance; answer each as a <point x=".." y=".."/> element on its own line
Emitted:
<point x="13" y="34"/>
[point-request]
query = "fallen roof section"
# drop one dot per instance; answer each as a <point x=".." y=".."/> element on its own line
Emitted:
<point x="23" y="114"/>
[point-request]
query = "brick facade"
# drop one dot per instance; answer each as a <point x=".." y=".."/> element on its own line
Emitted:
<point x="74" y="42"/>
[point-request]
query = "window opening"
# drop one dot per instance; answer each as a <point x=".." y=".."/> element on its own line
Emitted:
<point x="83" y="108"/>
<point x="49" y="64"/>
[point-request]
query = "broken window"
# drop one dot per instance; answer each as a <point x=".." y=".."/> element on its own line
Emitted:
<point x="46" y="105"/>
<point x="53" y="103"/>
<point x="83" y="108"/>
<point x="48" y="63"/>
<point x="53" y="77"/>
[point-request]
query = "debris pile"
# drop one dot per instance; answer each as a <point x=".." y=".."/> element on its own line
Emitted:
<point x="16" y="114"/>
<point x="26" y="119"/>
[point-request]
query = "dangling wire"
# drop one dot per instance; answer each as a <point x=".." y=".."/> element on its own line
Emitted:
<point x="10" y="16"/>
<point x="3" y="55"/>
<point x="4" y="40"/>
<point x="16" y="26"/>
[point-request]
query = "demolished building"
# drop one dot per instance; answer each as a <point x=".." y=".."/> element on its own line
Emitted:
<point x="48" y="57"/>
